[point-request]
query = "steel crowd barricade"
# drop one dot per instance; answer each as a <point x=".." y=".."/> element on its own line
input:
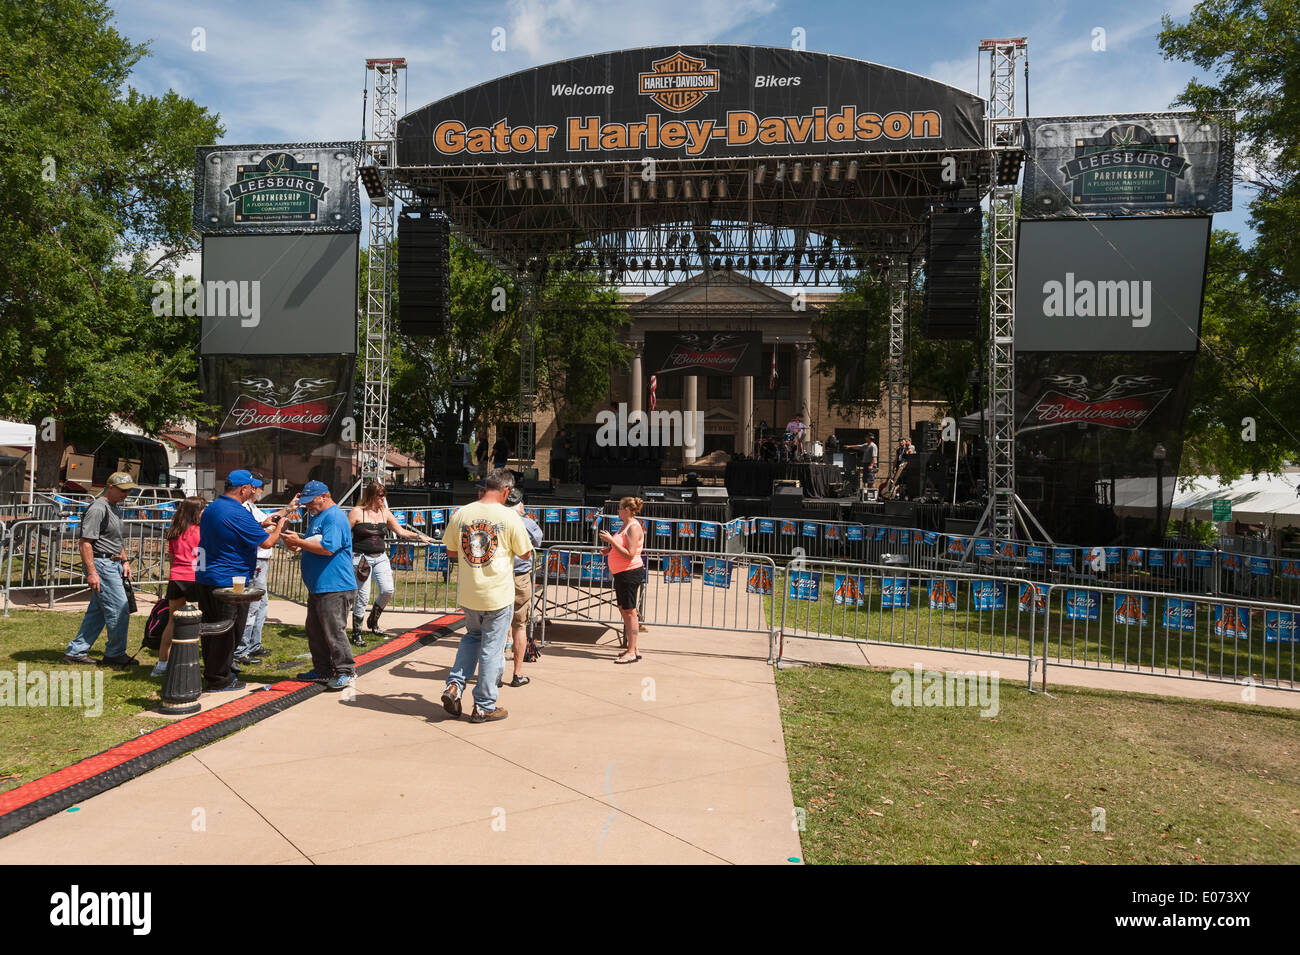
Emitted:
<point x="701" y="589"/>
<point x="1214" y="638"/>
<point x="45" y="556"/>
<point x="424" y="579"/>
<point x="790" y="537"/>
<point x="910" y="607"/>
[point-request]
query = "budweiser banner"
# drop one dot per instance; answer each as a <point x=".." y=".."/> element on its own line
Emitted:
<point x="1135" y="164"/>
<point x="283" y="187"/>
<point x="691" y="102"/>
<point x="288" y="417"/>
<point x="704" y="353"/>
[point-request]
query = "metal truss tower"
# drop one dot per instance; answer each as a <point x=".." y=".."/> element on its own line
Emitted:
<point x="1003" y="132"/>
<point x="528" y="374"/>
<point x="899" y="278"/>
<point x="385" y="79"/>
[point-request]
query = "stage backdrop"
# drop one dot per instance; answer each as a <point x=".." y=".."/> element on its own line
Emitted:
<point x="1131" y="164"/>
<point x="280" y="187"/>
<point x="1111" y="284"/>
<point x="287" y="416"/>
<point x="307" y="290"/>
<point x="721" y="354"/>
<point x="691" y="102"/>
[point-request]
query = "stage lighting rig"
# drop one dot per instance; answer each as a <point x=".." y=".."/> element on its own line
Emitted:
<point x="374" y="185"/>
<point x="1009" y="163"/>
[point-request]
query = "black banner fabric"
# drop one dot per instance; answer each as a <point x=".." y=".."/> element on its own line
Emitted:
<point x="691" y="102"/>
<point x="1131" y="164"/>
<point x="287" y="416"/>
<point x="720" y="354"/>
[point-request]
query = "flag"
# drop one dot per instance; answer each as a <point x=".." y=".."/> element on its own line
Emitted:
<point x="771" y="381"/>
<point x="654" y="385"/>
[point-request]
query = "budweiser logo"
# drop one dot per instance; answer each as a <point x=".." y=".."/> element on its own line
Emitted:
<point x="720" y="354"/>
<point x="298" y="407"/>
<point x="1067" y="401"/>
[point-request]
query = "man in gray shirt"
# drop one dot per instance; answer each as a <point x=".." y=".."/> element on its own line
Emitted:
<point x="107" y="569"/>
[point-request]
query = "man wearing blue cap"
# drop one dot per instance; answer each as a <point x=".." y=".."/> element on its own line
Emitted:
<point x="229" y="537"/>
<point x="331" y="586"/>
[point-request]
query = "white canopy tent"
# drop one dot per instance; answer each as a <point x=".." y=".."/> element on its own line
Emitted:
<point x="16" y="434"/>
<point x="1270" y="500"/>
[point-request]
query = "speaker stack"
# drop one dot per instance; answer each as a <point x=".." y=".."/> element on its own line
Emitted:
<point x="787" y="502"/>
<point x="952" y="272"/>
<point x="424" y="274"/>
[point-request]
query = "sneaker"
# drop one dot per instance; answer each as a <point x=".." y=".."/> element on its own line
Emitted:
<point x="122" y="661"/>
<point x="479" y="716"/>
<point x="78" y="658"/>
<point x="246" y="661"/>
<point x="232" y="685"/>
<point x="258" y="651"/>
<point x="339" y="680"/>
<point x="451" y="700"/>
<point x="159" y="668"/>
<point x="519" y="681"/>
<point x="311" y="676"/>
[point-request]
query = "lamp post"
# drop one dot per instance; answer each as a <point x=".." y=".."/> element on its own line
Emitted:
<point x="1158" y="454"/>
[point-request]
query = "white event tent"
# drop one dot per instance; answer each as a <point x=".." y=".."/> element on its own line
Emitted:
<point x="19" y="435"/>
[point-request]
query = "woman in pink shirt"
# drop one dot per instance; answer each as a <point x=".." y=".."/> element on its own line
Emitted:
<point x="182" y="548"/>
<point x="624" y="554"/>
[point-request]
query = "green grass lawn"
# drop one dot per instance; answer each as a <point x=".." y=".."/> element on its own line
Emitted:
<point x="38" y="740"/>
<point x="1180" y="781"/>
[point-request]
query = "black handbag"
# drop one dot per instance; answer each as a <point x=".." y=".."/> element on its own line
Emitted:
<point x="362" y="568"/>
<point x="130" y="595"/>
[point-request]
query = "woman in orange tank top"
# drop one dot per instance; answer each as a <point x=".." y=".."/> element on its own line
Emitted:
<point x="623" y="551"/>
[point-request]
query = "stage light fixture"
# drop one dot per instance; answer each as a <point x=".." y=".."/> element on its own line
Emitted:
<point x="704" y="188"/>
<point x="652" y="187"/>
<point x="547" y="184"/>
<point x="722" y="187"/>
<point x="598" y="175"/>
<point x="581" y="177"/>
<point x="817" y="172"/>
<point x="797" y="175"/>
<point x="780" y="260"/>
<point x="717" y="265"/>
<point x="760" y="174"/>
<point x="1009" y="163"/>
<point x="670" y="188"/>
<point x="636" y="190"/>
<point x="767" y="262"/>
<point x="835" y="170"/>
<point x="564" y="180"/>
<point x="530" y="179"/>
<point x="688" y="189"/>
<point x="512" y="181"/>
<point x="852" y="173"/>
<point x="780" y="172"/>
<point x="374" y="185"/>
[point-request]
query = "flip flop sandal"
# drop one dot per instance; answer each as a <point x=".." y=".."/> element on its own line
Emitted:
<point x="633" y="660"/>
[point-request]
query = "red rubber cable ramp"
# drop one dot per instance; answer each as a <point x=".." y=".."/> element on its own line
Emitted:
<point x="65" y="787"/>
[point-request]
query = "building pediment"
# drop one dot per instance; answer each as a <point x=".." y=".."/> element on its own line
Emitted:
<point x="714" y="288"/>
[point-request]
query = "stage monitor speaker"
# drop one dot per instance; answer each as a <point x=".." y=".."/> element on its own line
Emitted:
<point x="952" y="272"/>
<point x="710" y="495"/>
<point x="424" y="274"/>
<point x="953" y="525"/>
<point x="570" y="492"/>
<point x="787" y="502"/>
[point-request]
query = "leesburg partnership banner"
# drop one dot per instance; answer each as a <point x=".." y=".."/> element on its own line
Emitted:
<point x="1135" y="164"/>
<point x="285" y="187"/>
<point x="691" y="102"/>
<point x="721" y="354"/>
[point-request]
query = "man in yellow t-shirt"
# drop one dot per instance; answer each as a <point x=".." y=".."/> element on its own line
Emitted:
<point x="484" y="538"/>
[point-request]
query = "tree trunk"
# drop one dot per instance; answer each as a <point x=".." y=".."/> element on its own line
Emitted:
<point x="49" y="454"/>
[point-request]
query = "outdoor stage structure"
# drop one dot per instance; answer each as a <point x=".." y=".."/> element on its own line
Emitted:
<point x="646" y="167"/>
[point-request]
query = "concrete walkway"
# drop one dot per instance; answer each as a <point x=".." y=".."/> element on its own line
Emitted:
<point x="679" y="758"/>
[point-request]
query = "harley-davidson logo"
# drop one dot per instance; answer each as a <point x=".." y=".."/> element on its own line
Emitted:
<point x="1120" y="405"/>
<point x="679" y="82"/>
<point x="298" y="407"/>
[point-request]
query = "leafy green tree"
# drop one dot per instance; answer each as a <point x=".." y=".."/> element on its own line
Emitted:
<point x="95" y="204"/>
<point x="1250" y="362"/>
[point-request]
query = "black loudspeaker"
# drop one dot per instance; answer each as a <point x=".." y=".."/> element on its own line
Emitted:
<point x="952" y="272"/>
<point x="926" y="436"/>
<point x="620" y="491"/>
<point x="424" y="274"/>
<point x="914" y="476"/>
<point x="787" y="502"/>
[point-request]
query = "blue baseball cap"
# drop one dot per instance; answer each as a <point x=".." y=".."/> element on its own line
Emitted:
<point x="311" y="490"/>
<point x="240" y="478"/>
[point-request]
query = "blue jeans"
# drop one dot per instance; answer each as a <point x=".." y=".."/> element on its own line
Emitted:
<point x="252" y="637"/>
<point x="107" y="609"/>
<point x="483" y="646"/>
<point x="381" y="572"/>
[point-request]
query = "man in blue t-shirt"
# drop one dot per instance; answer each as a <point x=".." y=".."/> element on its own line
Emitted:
<point x="228" y="541"/>
<point x="331" y="586"/>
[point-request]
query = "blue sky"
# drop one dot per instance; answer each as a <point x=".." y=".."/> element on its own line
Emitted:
<point x="293" y="71"/>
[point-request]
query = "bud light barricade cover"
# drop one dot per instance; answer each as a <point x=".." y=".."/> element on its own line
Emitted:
<point x="943" y="593"/>
<point x="759" y="580"/>
<point x="1082" y="605"/>
<point x="1032" y="599"/>
<point x="1230" y="621"/>
<point x="895" y="592"/>
<point x="594" y="569"/>
<point x="436" y="559"/>
<point x="850" y="590"/>
<point x="803" y="585"/>
<point x="1280" y="626"/>
<point x="1132" y="609"/>
<point x="988" y="595"/>
<point x="1180" y="614"/>
<point x="717" y="572"/>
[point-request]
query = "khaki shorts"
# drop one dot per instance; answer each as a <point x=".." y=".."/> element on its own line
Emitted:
<point x="523" y="597"/>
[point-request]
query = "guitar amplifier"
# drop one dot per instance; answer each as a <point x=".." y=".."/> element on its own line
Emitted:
<point x="869" y="495"/>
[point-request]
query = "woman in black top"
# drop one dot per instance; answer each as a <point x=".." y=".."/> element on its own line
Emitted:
<point x="369" y="520"/>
